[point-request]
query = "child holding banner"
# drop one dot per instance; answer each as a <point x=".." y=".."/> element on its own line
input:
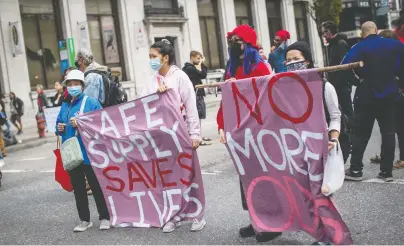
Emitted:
<point x="67" y="128"/>
<point x="245" y="62"/>
<point x="168" y="76"/>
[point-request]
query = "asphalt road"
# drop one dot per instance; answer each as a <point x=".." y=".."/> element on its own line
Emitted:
<point x="34" y="209"/>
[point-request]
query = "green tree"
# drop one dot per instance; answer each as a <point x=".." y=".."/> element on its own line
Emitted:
<point x="325" y="10"/>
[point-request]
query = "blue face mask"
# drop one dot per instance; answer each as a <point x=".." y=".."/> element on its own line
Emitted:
<point x="74" y="91"/>
<point x="155" y="64"/>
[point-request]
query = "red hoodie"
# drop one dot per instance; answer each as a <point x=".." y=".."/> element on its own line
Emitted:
<point x="261" y="70"/>
<point x="401" y="38"/>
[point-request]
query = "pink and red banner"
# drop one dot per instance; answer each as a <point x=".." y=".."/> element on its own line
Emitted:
<point x="142" y="155"/>
<point x="277" y="137"/>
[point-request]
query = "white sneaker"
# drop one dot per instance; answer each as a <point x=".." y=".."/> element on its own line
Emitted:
<point x="84" y="225"/>
<point x="198" y="225"/>
<point x="2" y="163"/>
<point x="105" y="225"/>
<point x="170" y="226"/>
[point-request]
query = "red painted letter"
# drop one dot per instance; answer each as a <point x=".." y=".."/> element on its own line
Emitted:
<point x="179" y="159"/>
<point x="139" y="177"/>
<point x="120" y="181"/>
<point x="164" y="172"/>
<point x="257" y="113"/>
<point x="153" y="182"/>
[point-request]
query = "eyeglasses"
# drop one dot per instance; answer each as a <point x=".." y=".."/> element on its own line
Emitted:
<point x="234" y="40"/>
<point x="326" y="32"/>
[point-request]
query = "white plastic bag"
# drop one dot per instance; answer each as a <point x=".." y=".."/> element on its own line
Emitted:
<point x="334" y="171"/>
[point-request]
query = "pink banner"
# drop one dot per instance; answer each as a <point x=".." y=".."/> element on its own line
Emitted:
<point x="277" y="137"/>
<point x="143" y="158"/>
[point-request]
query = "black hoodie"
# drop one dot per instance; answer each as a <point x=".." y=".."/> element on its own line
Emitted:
<point x="337" y="49"/>
<point x="196" y="76"/>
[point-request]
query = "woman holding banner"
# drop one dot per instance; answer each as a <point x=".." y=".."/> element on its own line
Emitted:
<point x="67" y="128"/>
<point x="245" y="62"/>
<point x="168" y="76"/>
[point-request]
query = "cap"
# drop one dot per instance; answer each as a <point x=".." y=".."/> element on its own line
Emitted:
<point x="74" y="75"/>
<point x="246" y="33"/>
<point x="283" y="34"/>
<point x="302" y="47"/>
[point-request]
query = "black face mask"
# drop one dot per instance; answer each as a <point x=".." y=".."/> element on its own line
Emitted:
<point x="77" y="64"/>
<point x="196" y="63"/>
<point x="236" y="50"/>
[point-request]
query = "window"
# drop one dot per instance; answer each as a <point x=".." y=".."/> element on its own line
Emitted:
<point x="161" y="4"/>
<point x="42" y="30"/>
<point x="301" y="21"/>
<point x="243" y="12"/>
<point x="104" y="32"/>
<point x="210" y="32"/>
<point x="274" y="16"/>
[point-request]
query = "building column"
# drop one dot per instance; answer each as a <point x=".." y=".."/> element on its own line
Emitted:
<point x="315" y="41"/>
<point x="288" y="19"/>
<point x="14" y="70"/>
<point x="227" y="18"/>
<point x="192" y="30"/>
<point x="73" y="12"/>
<point x="260" y="20"/>
<point x="136" y="53"/>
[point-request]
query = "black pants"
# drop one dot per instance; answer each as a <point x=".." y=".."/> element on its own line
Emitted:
<point x="77" y="177"/>
<point x="243" y="199"/>
<point x="384" y="111"/>
<point x="345" y="142"/>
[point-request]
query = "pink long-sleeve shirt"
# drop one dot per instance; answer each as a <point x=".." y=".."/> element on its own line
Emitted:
<point x="179" y="81"/>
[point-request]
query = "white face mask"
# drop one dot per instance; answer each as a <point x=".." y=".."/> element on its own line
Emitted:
<point x="296" y="65"/>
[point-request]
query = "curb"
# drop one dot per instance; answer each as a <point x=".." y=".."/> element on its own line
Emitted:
<point x="29" y="145"/>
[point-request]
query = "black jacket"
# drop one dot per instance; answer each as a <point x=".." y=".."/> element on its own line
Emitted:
<point x="18" y="105"/>
<point x="196" y="76"/>
<point x="58" y="103"/>
<point x="337" y="49"/>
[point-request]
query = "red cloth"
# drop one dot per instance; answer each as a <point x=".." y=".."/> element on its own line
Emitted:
<point x="283" y="34"/>
<point x="61" y="175"/>
<point x="401" y="38"/>
<point x="246" y="33"/>
<point x="261" y="70"/>
<point x="39" y="99"/>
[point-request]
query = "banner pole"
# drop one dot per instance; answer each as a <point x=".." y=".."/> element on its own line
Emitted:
<point x="320" y="70"/>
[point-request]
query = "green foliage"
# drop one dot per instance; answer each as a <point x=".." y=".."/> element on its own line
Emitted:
<point x="325" y="10"/>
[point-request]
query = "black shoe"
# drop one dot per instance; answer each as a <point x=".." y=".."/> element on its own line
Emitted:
<point x="247" y="231"/>
<point x="385" y="177"/>
<point x="263" y="237"/>
<point x="353" y="175"/>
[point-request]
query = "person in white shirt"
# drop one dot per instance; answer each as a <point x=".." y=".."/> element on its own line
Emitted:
<point x="298" y="57"/>
<point x="168" y="76"/>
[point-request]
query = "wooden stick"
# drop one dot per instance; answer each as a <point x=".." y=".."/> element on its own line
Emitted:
<point x="320" y="70"/>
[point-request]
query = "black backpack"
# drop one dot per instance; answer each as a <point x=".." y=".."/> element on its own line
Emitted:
<point x="345" y="121"/>
<point x="113" y="92"/>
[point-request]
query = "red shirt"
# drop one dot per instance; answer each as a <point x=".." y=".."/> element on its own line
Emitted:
<point x="401" y="38"/>
<point x="262" y="69"/>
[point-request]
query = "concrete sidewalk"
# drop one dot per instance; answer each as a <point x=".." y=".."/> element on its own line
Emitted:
<point x="30" y="137"/>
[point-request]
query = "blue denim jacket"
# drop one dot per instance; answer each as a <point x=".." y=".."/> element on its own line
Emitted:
<point x="277" y="59"/>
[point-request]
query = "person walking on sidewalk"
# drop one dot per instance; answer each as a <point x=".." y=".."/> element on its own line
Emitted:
<point x="375" y="98"/>
<point x="42" y="99"/>
<point x="17" y="111"/>
<point x="168" y="76"/>
<point x="66" y="127"/>
<point x="196" y="71"/>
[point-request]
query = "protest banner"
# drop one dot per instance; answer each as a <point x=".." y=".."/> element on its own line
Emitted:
<point x="277" y="137"/>
<point x="142" y="155"/>
<point x="51" y="115"/>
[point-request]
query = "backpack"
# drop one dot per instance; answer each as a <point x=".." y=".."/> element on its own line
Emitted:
<point x="345" y="126"/>
<point x="113" y="92"/>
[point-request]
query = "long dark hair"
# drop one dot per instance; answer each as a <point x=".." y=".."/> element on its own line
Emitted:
<point x="166" y="48"/>
<point x="251" y="56"/>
